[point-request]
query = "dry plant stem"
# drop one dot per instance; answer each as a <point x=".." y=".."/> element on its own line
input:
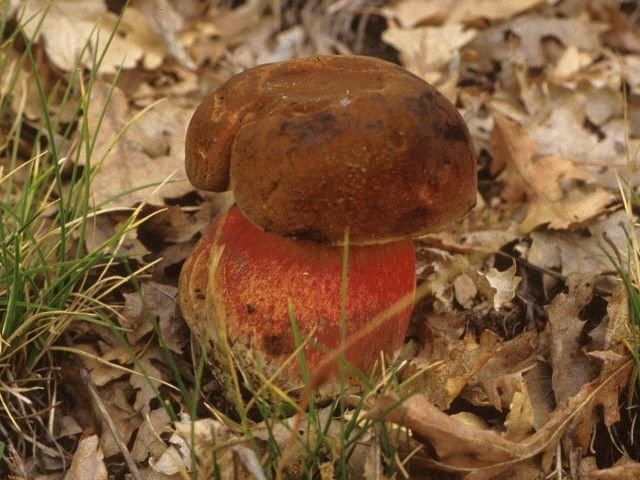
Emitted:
<point x="102" y="411"/>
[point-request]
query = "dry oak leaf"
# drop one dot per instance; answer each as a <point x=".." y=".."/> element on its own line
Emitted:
<point x="158" y="301"/>
<point x="69" y="25"/>
<point x="484" y="454"/>
<point x="88" y="461"/>
<point x="453" y="363"/>
<point x="426" y="51"/>
<point x="530" y="29"/>
<point x="126" y="172"/>
<point x="550" y="183"/>
<point x="410" y="13"/>
<point x="501" y="377"/>
<point x="572" y="367"/>
<point x="573" y="252"/>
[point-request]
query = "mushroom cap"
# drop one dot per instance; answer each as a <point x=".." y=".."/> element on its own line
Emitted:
<point x="238" y="282"/>
<point x="315" y="145"/>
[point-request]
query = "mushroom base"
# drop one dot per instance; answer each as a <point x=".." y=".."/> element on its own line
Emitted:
<point x="243" y="287"/>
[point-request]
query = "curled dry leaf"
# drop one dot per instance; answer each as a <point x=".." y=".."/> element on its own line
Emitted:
<point x="624" y="469"/>
<point x="483" y="454"/>
<point x="452" y="364"/>
<point x="504" y="284"/>
<point x="570" y="252"/>
<point x="148" y="441"/>
<point x="501" y="377"/>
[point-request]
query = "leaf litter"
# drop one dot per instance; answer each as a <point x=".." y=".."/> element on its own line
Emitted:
<point x="519" y="354"/>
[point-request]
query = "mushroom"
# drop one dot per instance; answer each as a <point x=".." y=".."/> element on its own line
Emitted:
<point x="313" y="147"/>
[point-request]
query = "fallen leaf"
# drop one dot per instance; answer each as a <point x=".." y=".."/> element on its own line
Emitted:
<point x="498" y="43"/>
<point x="410" y="13"/>
<point x="159" y="302"/>
<point x="451" y="365"/>
<point x="148" y="441"/>
<point x="504" y="284"/>
<point x="88" y="461"/>
<point x="550" y="183"/>
<point x="69" y="25"/>
<point x="520" y="420"/>
<point x="572" y="367"/>
<point x="425" y="51"/>
<point x="126" y="174"/>
<point x="483" y="454"/>
<point x="624" y="469"/>
<point x="468" y="10"/>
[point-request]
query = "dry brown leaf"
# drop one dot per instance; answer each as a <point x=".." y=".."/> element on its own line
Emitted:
<point x="88" y="461"/>
<point x="504" y="284"/>
<point x="483" y="454"/>
<point x="569" y="64"/>
<point x="520" y="420"/>
<point x="69" y="25"/>
<point x="127" y="174"/>
<point x="619" y="322"/>
<point x="469" y="10"/>
<point x="410" y="13"/>
<point x="527" y="49"/>
<point x="426" y="51"/>
<point x="125" y="418"/>
<point x="158" y="301"/>
<point x="148" y="441"/>
<point x="453" y="363"/>
<point x="550" y="183"/>
<point x="232" y="458"/>
<point x="148" y="378"/>
<point x="572" y="367"/>
<point x="582" y="425"/>
<point x="571" y="252"/>
<point x="501" y="377"/>
<point x="624" y="469"/>
<point x="465" y="290"/>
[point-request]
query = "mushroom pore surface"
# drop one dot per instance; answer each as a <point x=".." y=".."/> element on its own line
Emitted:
<point x="315" y="145"/>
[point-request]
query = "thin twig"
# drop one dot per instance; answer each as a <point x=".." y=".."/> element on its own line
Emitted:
<point x="102" y="410"/>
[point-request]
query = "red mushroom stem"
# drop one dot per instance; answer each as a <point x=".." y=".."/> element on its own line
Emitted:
<point x="257" y="273"/>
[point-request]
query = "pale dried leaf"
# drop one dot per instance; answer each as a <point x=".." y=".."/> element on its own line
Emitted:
<point x="467" y="10"/>
<point x="530" y="29"/>
<point x="550" y="183"/>
<point x="148" y="441"/>
<point x="69" y="25"/>
<point x="410" y="13"/>
<point x="520" y="419"/>
<point x="465" y="290"/>
<point x="427" y="50"/>
<point x="504" y="283"/>
<point x="127" y="174"/>
<point x="88" y="461"/>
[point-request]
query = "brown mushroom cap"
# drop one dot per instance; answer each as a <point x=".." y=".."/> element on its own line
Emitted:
<point x="315" y="145"/>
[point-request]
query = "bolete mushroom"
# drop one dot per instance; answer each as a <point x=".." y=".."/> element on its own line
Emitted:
<point x="312" y="147"/>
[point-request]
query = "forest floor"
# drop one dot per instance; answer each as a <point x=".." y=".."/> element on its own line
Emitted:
<point x="520" y="360"/>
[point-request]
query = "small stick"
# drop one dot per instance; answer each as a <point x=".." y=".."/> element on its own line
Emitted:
<point x="102" y="410"/>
